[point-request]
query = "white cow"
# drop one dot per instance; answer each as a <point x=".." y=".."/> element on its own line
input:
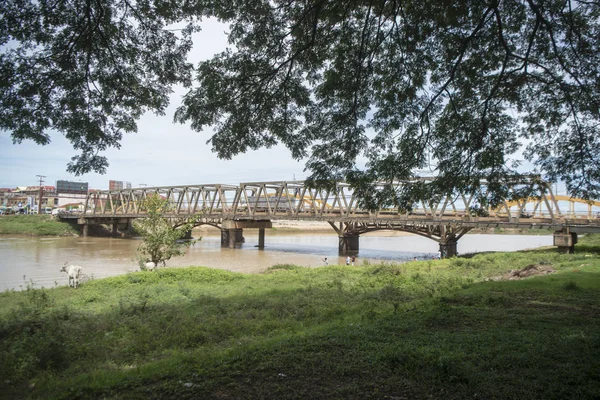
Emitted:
<point x="74" y="272"/>
<point x="151" y="266"/>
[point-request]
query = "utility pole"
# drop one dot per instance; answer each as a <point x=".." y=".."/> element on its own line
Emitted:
<point x="41" y="192"/>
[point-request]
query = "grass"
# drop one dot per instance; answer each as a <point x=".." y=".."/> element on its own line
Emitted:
<point x="36" y="225"/>
<point x="431" y="329"/>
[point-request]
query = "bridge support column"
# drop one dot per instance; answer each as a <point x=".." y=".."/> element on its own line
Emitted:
<point x="230" y="237"/>
<point x="348" y="244"/>
<point x="565" y="241"/>
<point x="115" y="229"/>
<point x="86" y="230"/>
<point x="448" y="248"/>
<point x="232" y="231"/>
<point x="188" y="235"/>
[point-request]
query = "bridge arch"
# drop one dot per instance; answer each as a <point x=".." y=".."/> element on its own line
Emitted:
<point x="446" y="236"/>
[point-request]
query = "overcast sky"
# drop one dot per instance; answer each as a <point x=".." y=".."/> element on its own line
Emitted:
<point x="161" y="153"/>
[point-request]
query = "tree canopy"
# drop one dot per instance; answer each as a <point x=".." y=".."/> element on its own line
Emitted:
<point x="88" y="70"/>
<point x="462" y="87"/>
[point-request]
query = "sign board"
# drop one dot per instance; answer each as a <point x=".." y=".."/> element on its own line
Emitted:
<point x="71" y="187"/>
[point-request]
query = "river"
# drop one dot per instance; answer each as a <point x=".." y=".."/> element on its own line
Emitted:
<point x="37" y="260"/>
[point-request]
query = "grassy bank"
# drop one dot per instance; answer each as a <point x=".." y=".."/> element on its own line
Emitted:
<point x="36" y="225"/>
<point x="448" y="329"/>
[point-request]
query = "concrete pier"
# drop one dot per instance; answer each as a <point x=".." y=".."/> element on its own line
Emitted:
<point x="231" y="237"/>
<point x="565" y="241"/>
<point x="348" y="244"/>
<point x="188" y="235"/>
<point x="232" y="232"/>
<point x="261" y="238"/>
<point x="448" y="248"/>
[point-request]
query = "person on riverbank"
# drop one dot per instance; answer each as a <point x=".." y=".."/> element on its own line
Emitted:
<point x="353" y="260"/>
<point x="347" y="260"/>
<point x="325" y="261"/>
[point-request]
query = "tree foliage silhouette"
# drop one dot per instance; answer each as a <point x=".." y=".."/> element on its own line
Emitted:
<point x="366" y="91"/>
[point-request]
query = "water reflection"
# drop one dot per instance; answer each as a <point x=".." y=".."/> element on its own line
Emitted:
<point x="39" y="259"/>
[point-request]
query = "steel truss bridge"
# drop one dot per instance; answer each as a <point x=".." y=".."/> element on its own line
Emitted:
<point x="254" y="205"/>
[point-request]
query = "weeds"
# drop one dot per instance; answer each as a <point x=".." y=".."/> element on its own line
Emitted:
<point x="570" y="286"/>
<point x="134" y="304"/>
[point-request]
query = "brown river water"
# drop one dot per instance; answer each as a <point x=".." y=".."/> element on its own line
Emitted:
<point x="37" y="260"/>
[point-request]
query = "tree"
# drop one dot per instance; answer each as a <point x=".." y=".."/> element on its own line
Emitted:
<point x="87" y="69"/>
<point x="460" y="87"/>
<point x="161" y="238"/>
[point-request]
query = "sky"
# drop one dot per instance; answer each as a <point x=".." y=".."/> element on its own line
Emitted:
<point x="161" y="153"/>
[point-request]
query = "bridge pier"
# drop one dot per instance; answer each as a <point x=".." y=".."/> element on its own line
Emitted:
<point x="231" y="237"/>
<point x="348" y="244"/>
<point x="448" y="248"/>
<point x="232" y="231"/>
<point x="565" y="241"/>
<point x="188" y="235"/>
<point x="85" y="230"/>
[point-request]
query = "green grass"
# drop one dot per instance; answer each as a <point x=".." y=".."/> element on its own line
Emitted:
<point x="37" y="225"/>
<point x="432" y="329"/>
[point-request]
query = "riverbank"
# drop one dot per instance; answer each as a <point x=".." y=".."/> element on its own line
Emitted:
<point x="447" y="329"/>
<point x="35" y="225"/>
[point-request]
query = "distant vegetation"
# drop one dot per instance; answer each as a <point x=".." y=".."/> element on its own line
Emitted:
<point x="448" y="329"/>
<point x="38" y="225"/>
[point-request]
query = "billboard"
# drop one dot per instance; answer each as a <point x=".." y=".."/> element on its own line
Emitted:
<point x="71" y="187"/>
<point x="115" y="185"/>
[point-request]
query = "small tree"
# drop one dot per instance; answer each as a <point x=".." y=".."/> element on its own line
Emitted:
<point x="161" y="237"/>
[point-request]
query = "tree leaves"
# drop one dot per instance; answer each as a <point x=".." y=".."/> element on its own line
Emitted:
<point x="88" y="69"/>
<point x="367" y="91"/>
<point x="161" y="238"/>
<point x="449" y="86"/>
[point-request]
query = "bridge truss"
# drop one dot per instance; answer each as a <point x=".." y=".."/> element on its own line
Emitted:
<point x="295" y="200"/>
<point x="530" y="203"/>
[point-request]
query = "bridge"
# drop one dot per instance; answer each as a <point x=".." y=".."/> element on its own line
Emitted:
<point x="233" y="208"/>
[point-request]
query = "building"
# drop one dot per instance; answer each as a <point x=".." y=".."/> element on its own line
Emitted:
<point x="115" y="185"/>
<point x="28" y="196"/>
<point x="65" y="194"/>
<point x="70" y="192"/>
